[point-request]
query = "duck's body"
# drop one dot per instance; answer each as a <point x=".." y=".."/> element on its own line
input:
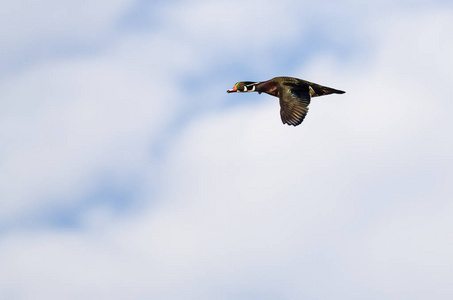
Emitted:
<point x="294" y="94"/>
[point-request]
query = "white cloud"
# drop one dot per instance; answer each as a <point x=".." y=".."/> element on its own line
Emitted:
<point x="28" y="25"/>
<point x="78" y="117"/>
<point x="352" y="204"/>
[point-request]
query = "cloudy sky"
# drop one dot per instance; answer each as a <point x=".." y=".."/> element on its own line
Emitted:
<point x="127" y="172"/>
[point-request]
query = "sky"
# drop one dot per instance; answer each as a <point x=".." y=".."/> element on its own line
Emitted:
<point x="127" y="171"/>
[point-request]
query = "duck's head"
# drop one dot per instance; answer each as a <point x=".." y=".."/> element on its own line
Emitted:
<point x="243" y="86"/>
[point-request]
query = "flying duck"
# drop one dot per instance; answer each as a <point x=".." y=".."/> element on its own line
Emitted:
<point x="294" y="95"/>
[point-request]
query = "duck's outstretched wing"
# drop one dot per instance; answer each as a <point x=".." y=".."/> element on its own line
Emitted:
<point x="294" y="101"/>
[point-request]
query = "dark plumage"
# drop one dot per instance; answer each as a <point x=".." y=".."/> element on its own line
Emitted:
<point x="294" y="94"/>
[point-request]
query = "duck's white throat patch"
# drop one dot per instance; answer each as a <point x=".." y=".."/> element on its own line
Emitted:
<point x="247" y="90"/>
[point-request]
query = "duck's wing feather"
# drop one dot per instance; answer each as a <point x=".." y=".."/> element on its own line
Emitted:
<point x="294" y="101"/>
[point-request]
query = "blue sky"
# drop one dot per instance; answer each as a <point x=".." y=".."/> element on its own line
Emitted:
<point x="127" y="172"/>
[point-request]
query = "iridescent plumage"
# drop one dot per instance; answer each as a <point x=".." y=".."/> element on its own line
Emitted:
<point x="294" y="94"/>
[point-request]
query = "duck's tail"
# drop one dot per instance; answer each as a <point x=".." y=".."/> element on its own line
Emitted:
<point x="324" y="90"/>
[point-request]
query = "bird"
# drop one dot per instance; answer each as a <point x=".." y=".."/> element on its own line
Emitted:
<point x="294" y="94"/>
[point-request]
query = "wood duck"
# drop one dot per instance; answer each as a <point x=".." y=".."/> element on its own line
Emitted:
<point x="294" y="95"/>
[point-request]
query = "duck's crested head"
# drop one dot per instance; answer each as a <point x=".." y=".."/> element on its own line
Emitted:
<point x="242" y="86"/>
